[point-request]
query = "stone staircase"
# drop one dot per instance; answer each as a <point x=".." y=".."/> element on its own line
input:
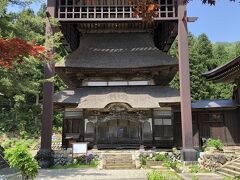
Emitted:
<point x="118" y="161"/>
<point x="231" y="169"/>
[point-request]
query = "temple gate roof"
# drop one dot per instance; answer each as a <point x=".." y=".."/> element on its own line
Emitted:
<point x="117" y="51"/>
<point x="100" y="97"/>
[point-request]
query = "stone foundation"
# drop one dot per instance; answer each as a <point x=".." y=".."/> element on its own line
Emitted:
<point x="63" y="157"/>
<point x="45" y="158"/>
<point x="213" y="161"/>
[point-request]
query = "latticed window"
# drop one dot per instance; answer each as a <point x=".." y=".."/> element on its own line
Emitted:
<point x="110" y="9"/>
<point x="163" y="125"/>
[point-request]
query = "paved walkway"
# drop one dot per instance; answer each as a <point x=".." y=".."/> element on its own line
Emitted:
<point x="91" y="174"/>
<point x="201" y="176"/>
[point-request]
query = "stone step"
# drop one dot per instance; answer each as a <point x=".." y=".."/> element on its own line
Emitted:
<point x="225" y="174"/>
<point x="132" y="166"/>
<point x="120" y="160"/>
<point x="119" y="163"/>
<point x="160" y="168"/>
<point x="235" y="163"/>
<point x="116" y="155"/>
<point x="229" y="171"/>
<point x="127" y="157"/>
<point x="232" y="167"/>
<point x="238" y="161"/>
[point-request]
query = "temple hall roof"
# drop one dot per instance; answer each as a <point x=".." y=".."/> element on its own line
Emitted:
<point x="100" y="97"/>
<point x="117" y="51"/>
<point x="228" y="72"/>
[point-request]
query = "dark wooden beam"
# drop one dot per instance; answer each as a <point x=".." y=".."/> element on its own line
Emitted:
<point x="188" y="153"/>
<point x="45" y="154"/>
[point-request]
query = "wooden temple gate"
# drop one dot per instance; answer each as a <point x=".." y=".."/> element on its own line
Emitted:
<point x="171" y="20"/>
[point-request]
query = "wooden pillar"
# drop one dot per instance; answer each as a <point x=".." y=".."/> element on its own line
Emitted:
<point x="47" y="117"/>
<point x="188" y="153"/>
<point x="153" y="129"/>
<point x="45" y="154"/>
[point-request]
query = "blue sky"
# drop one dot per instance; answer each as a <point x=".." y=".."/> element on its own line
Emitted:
<point x="221" y="22"/>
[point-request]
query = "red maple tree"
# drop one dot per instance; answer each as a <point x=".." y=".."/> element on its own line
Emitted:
<point x="15" y="49"/>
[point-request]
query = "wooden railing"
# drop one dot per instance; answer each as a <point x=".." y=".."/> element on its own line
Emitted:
<point x="109" y="10"/>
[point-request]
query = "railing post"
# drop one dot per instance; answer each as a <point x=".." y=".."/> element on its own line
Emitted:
<point x="188" y="153"/>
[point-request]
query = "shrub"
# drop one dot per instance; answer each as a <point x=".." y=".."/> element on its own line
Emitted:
<point x="90" y="159"/>
<point x="158" y="175"/>
<point x="9" y="143"/>
<point x="160" y="157"/>
<point x="14" y="141"/>
<point x="170" y="164"/>
<point x="143" y="160"/>
<point x="175" y="150"/>
<point x="194" y="168"/>
<point x="21" y="158"/>
<point x="216" y="143"/>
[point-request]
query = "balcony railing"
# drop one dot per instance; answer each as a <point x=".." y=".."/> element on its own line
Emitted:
<point x="109" y="10"/>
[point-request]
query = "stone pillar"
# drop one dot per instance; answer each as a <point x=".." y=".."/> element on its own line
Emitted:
<point x="45" y="154"/>
<point x="188" y="153"/>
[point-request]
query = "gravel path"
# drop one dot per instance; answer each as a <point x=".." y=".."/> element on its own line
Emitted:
<point x="91" y="174"/>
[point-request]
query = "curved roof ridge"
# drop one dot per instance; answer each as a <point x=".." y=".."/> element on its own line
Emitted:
<point x="223" y="71"/>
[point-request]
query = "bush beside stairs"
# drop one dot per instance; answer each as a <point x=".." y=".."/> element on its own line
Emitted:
<point x="230" y="169"/>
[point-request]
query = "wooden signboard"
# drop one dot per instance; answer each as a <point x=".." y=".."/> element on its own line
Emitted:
<point x="79" y="149"/>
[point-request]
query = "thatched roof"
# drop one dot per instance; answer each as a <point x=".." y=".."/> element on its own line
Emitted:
<point x="135" y="96"/>
<point x="225" y="73"/>
<point x="117" y="50"/>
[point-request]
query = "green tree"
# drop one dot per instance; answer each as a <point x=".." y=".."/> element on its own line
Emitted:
<point x="21" y="85"/>
<point x="237" y="49"/>
<point x="203" y="57"/>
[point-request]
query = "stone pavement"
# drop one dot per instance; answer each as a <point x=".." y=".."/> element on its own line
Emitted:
<point x="91" y="174"/>
<point x="201" y="176"/>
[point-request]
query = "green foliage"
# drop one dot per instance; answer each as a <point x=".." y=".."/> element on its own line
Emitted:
<point x="237" y="49"/>
<point x="143" y="160"/>
<point x="20" y="157"/>
<point x="160" y="157"/>
<point x="175" y="151"/>
<point x="170" y="164"/>
<point x="216" y="143"/>
<point x="195" y="177"/>
<point x="231" y="178"/>
<point x="21" y="85"/>
<point x="58" y="120"/>
<point x="14" y="141"/>
<point x="205" y="56"/>
<point x="194" y="168"/>
<point x="158" y="175"/>
<point x="8" y="143"/>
